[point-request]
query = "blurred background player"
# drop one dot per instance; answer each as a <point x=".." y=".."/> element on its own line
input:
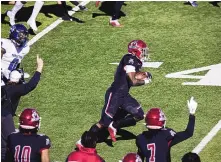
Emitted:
<point x="15" y="48"/>
<point x="32" y="20"/>
<point x="27" y="144"/>
<point x="193" y="3"/>
<point x="117" y="96"/>
<point x="86" y="149"/>
<point x="131" y="157"/>
<point x="115" y="15"/>
<point x="191" y="157"/>
<point x="81" y="7"/>
<point x="155" y="144"/>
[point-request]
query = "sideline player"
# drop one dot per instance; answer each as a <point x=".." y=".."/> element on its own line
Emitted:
<point x="27" y="144"/>
<point x="32" y="20"/>
<point x="155" y="144"/>
<point x="14" y="49"/>
<point x="117" y="96"/>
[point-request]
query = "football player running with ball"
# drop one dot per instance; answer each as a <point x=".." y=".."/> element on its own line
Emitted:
<point x="117" y="96"/>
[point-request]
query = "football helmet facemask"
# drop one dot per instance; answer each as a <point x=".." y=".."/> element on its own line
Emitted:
<point x="29" y="119"/>
<point x="139" y="49"/>
<point x="19" y="35"/>
<point x="131" y="157"/>
<point x="155" y="119"/>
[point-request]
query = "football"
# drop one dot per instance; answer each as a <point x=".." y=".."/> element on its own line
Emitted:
<point x="141" y="75"/>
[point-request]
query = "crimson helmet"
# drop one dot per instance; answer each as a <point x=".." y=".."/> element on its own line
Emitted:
<point x="155" y="118"/>
<point x="29" y="119"/>
<point x="139" y="49"/>
<point x="131" y="157"/>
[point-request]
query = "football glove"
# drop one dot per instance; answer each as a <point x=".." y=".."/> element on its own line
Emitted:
<point x="192" y="105"/>
<point x="149" y="78"/>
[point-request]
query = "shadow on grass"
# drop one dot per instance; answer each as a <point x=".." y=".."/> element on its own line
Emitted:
<point x="108" y="8"/>
<point x="48" y="10"/>
<point x="124" y="135"/>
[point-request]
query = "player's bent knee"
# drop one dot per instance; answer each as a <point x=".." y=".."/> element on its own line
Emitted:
<point x="94" y="128"/>
<point x="139" y="115"/>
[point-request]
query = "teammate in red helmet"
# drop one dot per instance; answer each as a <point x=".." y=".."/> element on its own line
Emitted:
<point x="27" y="144"/>
<point x="131" y="157"/>
<point x="154" y="144"/>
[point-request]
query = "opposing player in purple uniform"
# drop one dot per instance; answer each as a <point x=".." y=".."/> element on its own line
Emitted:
<point x="154" y="145"/>
<point x="117" y="96"/>
<point x="27" y="145"/>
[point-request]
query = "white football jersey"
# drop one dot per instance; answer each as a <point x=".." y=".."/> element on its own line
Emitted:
<point x="12" y="57"/>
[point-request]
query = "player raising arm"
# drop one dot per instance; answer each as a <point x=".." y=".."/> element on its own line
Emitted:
<point x="154" y="145"/>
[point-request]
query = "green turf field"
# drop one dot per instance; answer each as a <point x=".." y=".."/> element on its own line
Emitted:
<point x="77" y="72"/>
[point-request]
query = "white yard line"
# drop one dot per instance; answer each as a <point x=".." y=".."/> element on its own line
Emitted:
<point x="53" y="25"/>
<point x="207" y="138"/>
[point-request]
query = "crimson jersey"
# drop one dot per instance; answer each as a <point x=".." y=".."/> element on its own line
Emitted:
<point x="26" y="148"/>
<point x="84" y="155"/>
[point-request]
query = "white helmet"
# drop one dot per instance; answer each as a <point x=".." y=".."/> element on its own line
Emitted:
<point x="15" y="76"/>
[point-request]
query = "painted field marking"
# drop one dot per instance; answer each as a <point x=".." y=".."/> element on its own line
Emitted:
<point x="145" y="64"/>
<point x="207" y="138"/>
<point x="53" y="25"/>
<point x="212" y="77"/>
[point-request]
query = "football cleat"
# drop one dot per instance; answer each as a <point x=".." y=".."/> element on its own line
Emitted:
<point x="97" y="3"/>
<point x="115" y="23"/>
<point x="112" y="131"/>
<point x="83" y="8"/>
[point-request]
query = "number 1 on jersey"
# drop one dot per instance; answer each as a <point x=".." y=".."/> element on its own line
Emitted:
<point x="25" y="154"/>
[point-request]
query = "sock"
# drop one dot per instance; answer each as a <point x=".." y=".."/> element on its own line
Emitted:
<point x="126" y="122"/>
<point x="64" y="8"/>
<point x="18" y="5"/>
<point x="37" y="7"/>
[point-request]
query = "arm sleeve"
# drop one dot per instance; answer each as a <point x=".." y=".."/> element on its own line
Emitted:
<point x="181" y="136"/>
<point x="24" y="89"/>
<point x="46" y="142"/>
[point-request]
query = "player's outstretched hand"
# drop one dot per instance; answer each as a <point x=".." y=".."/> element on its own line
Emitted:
<point x="40" y="64"/>
<point x="192" y="105"/>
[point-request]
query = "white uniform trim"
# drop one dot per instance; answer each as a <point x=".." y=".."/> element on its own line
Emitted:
<point x="129" y="68"/>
